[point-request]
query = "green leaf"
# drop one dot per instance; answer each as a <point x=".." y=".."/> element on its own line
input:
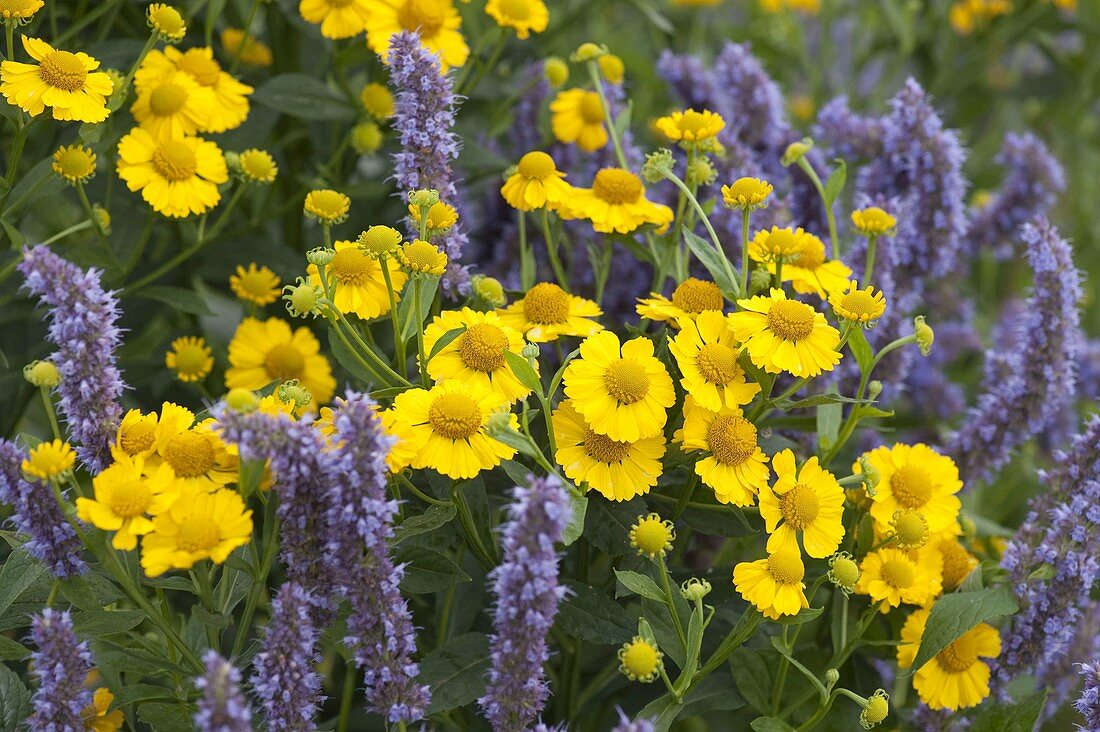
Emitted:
<point x="753" y="677"/>
<point x="96" y="623"/>
<point x="639" y="584"/>
<point x="829" y="417"/>
<point x="445" y="340"/>
<point x="37" y="184"/>
<point x="608" y="523"/>
<point x="304" y="97"/>
<point x="714" y="262"/>
<point x="592" y="616"/>
<point x="133" y="693"/>
<point x="770" y="724"/>
<point x="524" y="371"/>
<point x="579" y="507"/>
<point x="1018" y="716"/>
<point x="430" y="520"/>
<point x="428" y="571"/>
<point x="804" y="615"/>
<point x="456" y="671"/>
<point x="556" y="381"/>
<point x="712" y="694"/>
<point x="347" y="359"/>
<point x="166" y="717"/>
<point x="11" y="650"/>
<point x="956" y="613"/>
<point x="834" y="186"/>
<point x="183" y="300"/>
<point x="14" y="700"/>
<point x="406" y="309"/>
<point x="861" y="349"/>
<point x="20" y="572"/>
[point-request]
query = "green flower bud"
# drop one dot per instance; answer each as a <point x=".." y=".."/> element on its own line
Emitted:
<point x="42" y="373"/>
<point x="530" y="351"/>
<point x="876" y="709"/>
<point x="658" y="165"/>
<point x="695" y="589"/>
<point x="320" y="256"/>
<point x="796" y="151"/>
<point x="925" y="335"/>
<point x="292" y="392"/>
<point x="843" y="572"/>
<point x="241" y="400"/>
<point x="556" y="71"/>
<point x="378" y="241"/>
<point x="303" y="299"/>
<point x="424" y="197"/>
<point x="874" y="389"/>
<point x="489" y="290"/>
<point x="700" y="172"/>
<point x="589" y="51"/>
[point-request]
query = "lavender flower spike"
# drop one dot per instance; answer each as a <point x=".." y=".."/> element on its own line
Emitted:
<point x="222" y="707"/>
<point x="1089" y="703"/>
<point x="527" y="591"/>
<point x="60" y="663"/>
<point x="83" y="319"/>
<point x="638" y="725"/>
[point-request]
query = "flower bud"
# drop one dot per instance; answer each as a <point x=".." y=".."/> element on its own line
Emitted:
<point x="871" y="476"/>
<point x="489" y="290"/>
<point x="292" y="392"/>
<point x="876" y="709"/>
<point x="700" y="172"/>
<point x="556" y="71"/>
<point x="612" y="68"/>
<point x="378" y="241"/>
<point x="759" y="280"/>
<point x="925" y="335"/>
<point x="241" y="400"/>
<point x="499" y="422"/>
<point x="694" y="590"/>
<point x="42" y="374"/>
<point x="874" y="389"/>
<point x="831" y="677"/>
<point x="366" y="138"/>
<point x="303" y="299"/>
<point x="320" y="256"/>
<point x="589" y="51"/>
<point x="796" y="151"/>
<point x="530" y="351"/>
<point x="103" y="217"/>
<point x="910" y="529"/>
<point x="658" y="165"/>
<point x="424" y="197"/>
<point x="843" y="572"/>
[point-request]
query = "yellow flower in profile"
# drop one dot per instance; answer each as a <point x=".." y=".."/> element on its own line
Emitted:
<point x="616" y="203"/>
<point x="956" y="678"/>
<point x="258" y="166"/>
<point x="873" y="221"/>
<point x="257" y="285"/>
<point x="66" y="82"/>
<point x="176" y="177"/>
<point x="124" y="494"/>
<point x="19" y="9"/>
<point x="48" y="460"/>
<point x="327" y="206"/>
<point x="958" y="563"/>
<point x="537" y="183"/>
<point x="785" y="335"/>
<point x="892" y="576"/>
<point x="249" y="49"/>
<point x="422" y="257"/>
<point x="556" y="71"/>
<point x="523" y="16"/>
<point x="263" y="351"/>
<point x="706" y="354"/>
<point x="618" y="470"/>
<point x="690" y="126"/>
<point x="477" y="355"/>
<point x="611" y="68"/>
<point x="377" y="100"/>
<point x="198" y="526"/>
<point x="747" y="194"/>
<point x="172" y="106"/>
<point x="777" y="243"/>
<point x="74" y="163"/>
<point x="197" y="456"/>
<point x="640" y="660"/>
<point x="444" y="428"/>
<point x="190" y="358"/>
<point x="98" y="715"/>
<point x="809" y="271"/>
<point x="859" y="306"/>
<point x="577" y="116"/>
<point x="774" y="584"/>
<point x="806" y="501"/>
<point x="547" y="312"/>
<point x="437" y="23"/>
<point x="166" y="21"/>
<point x="736" y="469"/>
<point x="651" y="536"/>
<point x="441" y="216"/>
<point x="136" y="435"/>
<point x="691" y="298"/>
<point x="622" y="391"/>
<point x="914" y="477"/>
<point x="337" y="18"/>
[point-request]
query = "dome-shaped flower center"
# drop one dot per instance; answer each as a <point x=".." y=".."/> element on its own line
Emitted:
<point x="845" y="572"/>
<point x="175" y="160"/>
<point x="956" y="563"/>
<point x="422" y="256"/>
<point x="910" y="529"/>
<point x="800" y="506"/>
<point x="861" y="304"/>
<point x="427" y="16"/>
<point x="190" y="359"/>
<point x="617" y="186"/>
<point x="546" y="304"/>
<point x="782" y="243"/>
<point x="717" y="363"/>
<point x="640" y="659"/>
<point x="167" y="99"/>
<point x="130" y="498"/>
<point x="190" y="454"/>
<point x="284" y="362"/>
<point x="810" y="256"/>
<point x="138" y="437"/>
<point x="591" y="108"/>
<point x="536" y="165"/>
<point x="603" y="449"/>
<point x="75" y="162"/>
<point x="327" y="204"/>
<point x="201" y="67"/>
<point x="15" y="8"/>
<point x="455" y="416"/>
<point x="791" y="320"/>
<point x="626" y="380"/>
<point x="63" y="70"/>
<point x="695" y="295"/>
<point x="352" y="267"/>
<point x="693" y="122"/>
<point x="482" y="347"/>
<point x="197" y="534"/>
<point x="786" y="567"/>
<point x="515" y="9"/>
<point x="749" y="190"/>
<point x="911" y="486"/>
<point x="167" y="20"/>
<point x="442" y="216"/>
<point x="732" y="439"/>
<point x="898" y="573"/>
<point x="959" y="656"/>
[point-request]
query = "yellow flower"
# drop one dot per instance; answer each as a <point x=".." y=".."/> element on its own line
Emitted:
<point x="958" y="563"/>
<point x="546" y="312"/>
<point x="445" y="428"/>
<point x="136" y="435"/>
<point x="251" y="50"/>
<point x="873" y="221"/>
<point x="190" y="358"/>
<point x="611" y="68"/>
<point x="477" y="355"/>
<point x="875" y="710"/>
<point x="436" y="21"/>
<point x="785" y="335"/>
<point x="804" y="262"/>
<point x="198" y="526"/>
<point x="577" y="116"/>
<point x="19" y="9"/>
<point x="892" y="576"/>
<point x="74" y="163"/>
<point x="690" y="298"/>
<point x="810" y="7"/>
<point x="42" y="373"/>
<point x="640" y="660"/>
<point x="736" y="469"/>
<point x="258" y="166"/>
<point x="377" y="100"/>
<point x="441" y="216"/>
<point x="652" y="537"/>
<point x="859" y="306"/>
<point x="48" y="460"/>
<point x="423" y="257"/>
<point x="616" y="202"/>
<point x="747" y="194"/>
<point x="618" y="470"/>
<point x="166" y="21"/>
<point x="955" y="678"/>
<point x="537" y="183"/>
<point x="263" y="351"/>
<point x="488" y="290"/>
<point x="706" y="354"/>
<point x="337" y="18"/>
<point x="914" y="477"/>
<point x="257" y="285"/>
<point x="124" y="494"/>
<point x="196" y="455"/>
<point x="524" y="16"/>
<point x="67" y="83"/>
<point x="366" y="137"/>
<point x="172" y="106"/>
<point x="379" y="241"/>
<point x="556" y="71"/>
<point x="807" y="501"/>
<point x="690" y="126"/>
<point x="774" y="584"/>
<point x="230" y="97"/>
<point x="97" y="717"/>
<point x="327" y="206"/>
<point x="176" y="177"/>
<point x="621" y="390"/>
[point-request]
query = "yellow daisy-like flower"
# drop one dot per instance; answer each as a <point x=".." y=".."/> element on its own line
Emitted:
<point x="873" y="221"/>
<point x="263" y="351"/>
<point x="173" y="106"/>
<point x="249" y="49"/>
<point x="956" y="678"/>
<point x="618" y="470"/>
<point x="198" y="526"/>
<point x="258" y="166"/>
<point x="537" y="183"/>
<point x="778" y="243"/>
<point x="804" y="265"/>
<point x="859" y="306"/>
<point x="774" y="584"/>
<point x="422" y="257"/>
<point x="747" y="194"/>
<point x="616" y="202"/>
<point x="441" y="216"/>
<point x="577" y="116"/>
<point x="476" y="356"/>
<point x="690" y="298"/>
<point x="124" y="494"/>
<point x="337" y="18"/>
<point x="166" y="21"/>
<point x="257" y="285"/>
<point x="230" y="97"/>
<point x="958" y="563"/>
<point x="785" y="335"/>
<point x="893" y="577"/>
<point x="651" y="536"/>
<point x="807" y="501"/>
<point x="197" y="456"/>
<point x="377" y="100"/>
<point x="547" y="312"/>
<point x="622" y="390"/>
<point x="706" y="354"/>
<point x="136" y="435"/>
<point x="690" y="126"/>
<point x="190" y="358"/>
<point x="914" y="477"/>
<point x="98" y="715"/>
<point x="736" y="469"/>
<point x="444" y="428"/>
<point x="523" y="16"/>
<point x="436" y="21"/>
<point x="48" y="460"/>
<point x="74" y="163"/>
<point x="19" y="9"/>
<point x="327" y="206"/>
<point x="640" y="660"/>
<point x="66" y="82"/>
<point x="176" y="177"/>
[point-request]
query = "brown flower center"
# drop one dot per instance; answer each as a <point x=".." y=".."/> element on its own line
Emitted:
<point x="800" y="506"/>
<point x="455" y="416"/>
<point x="617" y="186"/>
<point x="959" y="656"/>
<point x="717" y="363"/>
<point x="626" y="380"/>
<point x="63" y="70"/>
<point x="786" y="567"/>
<point x="482" y="347"/>
<point x="602" y="448"/>
<point x="190" y="454"/>
<point x="695" y="295"/>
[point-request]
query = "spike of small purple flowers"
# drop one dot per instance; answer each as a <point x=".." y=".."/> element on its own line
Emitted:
<point x="626" y="725"/>
<point x="1089" y="702"/>
<point x="83" y="325"/>
<point x="846" y="134"/>
<point x="222" y="707"/>
<point x="60" y="663"/>
<point x="527" y="591"/>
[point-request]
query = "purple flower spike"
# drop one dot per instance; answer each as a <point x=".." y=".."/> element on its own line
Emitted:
<point x="60" y="663"/>
<point x="222" y="707"/>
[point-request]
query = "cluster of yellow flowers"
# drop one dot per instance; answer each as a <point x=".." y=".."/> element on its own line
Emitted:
<point x="968" y="16"/>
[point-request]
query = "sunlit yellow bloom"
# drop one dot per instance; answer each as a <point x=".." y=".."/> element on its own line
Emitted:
<point x="377" y="100"/>
<point x="74" y="163"/>
<point x="477" y="355"/>
<point x="892" y="576"/>
<point x="859" y="306"/>
<point x="19" y="9"/>
<point x="804" y="265"/>
<point x="806" y="501"/>
<point x="577" y="116"/>
<point x="955" y="678"/>
<point x="327" y="206"/>
<point x="366" y="137"/>
<point x="651" y="536"/>
<point x="914" y="477"/>
<point x="785" y="335"/>
<point x="774" y="584"/>
<point x="48" y="460"/>
<point x="777" y="243"/>
<point x="98" y="715"/>
<point x="611" y="68"/>
<point x="197" y="456"/>
<point x="258" y="166"/>
<point x="537" y="183"/>
<point x="958" y="563"/>
<point x="190" y="358"/>
<point x="337" y="18"/>
<point x="616" y="202"/>
<point x="690" y="126"/>
<point x="257" y="285"/>
<point x="360" y="285"/>
<point x="67" y="83"/>
<point x="263" y="351"/>
<point x="437" y="23"/>
<point x="172" y="106"/>
<point x="441" y="216"/>
<point x="125" y="493"/>
<point x="524" y="16"/>
<point x="691" y="298"/>
<point x="735" y="468"/>
<point x="198" y="526"/>
<point x="547" y="312"/>
<point x="176" y="177"/>
<point x="136" y="435"/>
<point x="706" y="354"/>
<point x="254" y="51"/>
<point x="640" y="660"/>
<point x="747" y="194"/>
<point x="422" y="257"/>
<point x="166" y="21"/>
<point x="873" y="221"/>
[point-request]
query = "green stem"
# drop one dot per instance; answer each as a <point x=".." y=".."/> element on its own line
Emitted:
<point x="401" y="363"/>
<point x="124" y="88"/>
<point x="869" y="265"/>
<point x="48" y="404"/>
<point x="418" y="287"/>
<point x="666" y="585"/>
<point x="706" y="222"/>
<point x="552" y="251"/>
<point x="13" y="162"/>
<point x="236" y="60"/>
<point x="419" y="493"/>
<point x="527" y="266"/>
<point x="745" y="214"/>
<point x="829" y="215"/>
<point x="391" y="377"/>
<point x="346" y="696"/>
<point x="594" y="74"/>
<point x="469" y="527"/>
<point x="259" y="584"/>
<point x="485" y="68"/>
